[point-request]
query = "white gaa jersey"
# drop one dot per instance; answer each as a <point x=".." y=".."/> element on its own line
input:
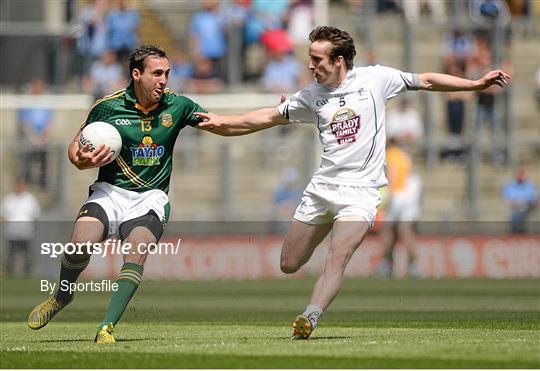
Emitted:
<point x="350" y="120"/>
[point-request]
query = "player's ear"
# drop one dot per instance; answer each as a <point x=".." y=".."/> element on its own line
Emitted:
<point x="136" y="74"/>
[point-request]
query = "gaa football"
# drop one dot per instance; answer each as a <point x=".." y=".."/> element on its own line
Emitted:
<point x="100" y="132"/>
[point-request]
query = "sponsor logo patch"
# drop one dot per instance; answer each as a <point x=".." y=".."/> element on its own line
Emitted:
<point x="345" y="125"/>
<point x="147" y="153"/>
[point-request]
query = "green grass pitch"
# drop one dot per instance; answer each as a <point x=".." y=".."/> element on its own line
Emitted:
<point x="373" y="323"/>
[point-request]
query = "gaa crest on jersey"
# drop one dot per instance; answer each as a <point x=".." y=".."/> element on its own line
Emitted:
<point x="147" y="153"/>
<point x="166" y="120"/>
<point x="345" y="125"/>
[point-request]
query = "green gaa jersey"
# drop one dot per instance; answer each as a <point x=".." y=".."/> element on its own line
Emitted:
<point x="148" y="137"/>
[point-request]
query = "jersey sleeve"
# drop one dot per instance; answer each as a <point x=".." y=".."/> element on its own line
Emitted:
<point x="189" y="108"/>
<point x="297" y="108"/>
<point x="391" y="81"/>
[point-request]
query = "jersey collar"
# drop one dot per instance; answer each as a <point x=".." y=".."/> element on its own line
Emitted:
<point x="345" y="81"/>
<point x="130" y="96"/>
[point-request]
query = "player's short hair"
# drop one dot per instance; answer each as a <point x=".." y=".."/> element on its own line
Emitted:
<point x="342" y="41"/>
<point x="137" y="59"/>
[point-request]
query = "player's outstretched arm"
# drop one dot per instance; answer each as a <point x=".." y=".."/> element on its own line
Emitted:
<point x="441" y="82"/>
<point x="83" y="159"/>
<point x="233" y="125"/>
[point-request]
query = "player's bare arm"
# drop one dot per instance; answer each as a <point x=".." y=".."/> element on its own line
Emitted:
<point x="84" y="159"/>
<point x="441" y="82"/>
<point x="223" y="130"/>
<point x="233" y="125"/>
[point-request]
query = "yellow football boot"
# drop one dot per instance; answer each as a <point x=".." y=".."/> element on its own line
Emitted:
<point x="44" y="313"/>
<point x="105" y="335"/>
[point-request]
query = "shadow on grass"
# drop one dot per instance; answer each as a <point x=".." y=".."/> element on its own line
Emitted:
<point x="127" y="340"/>
<point x="331" y="338"/>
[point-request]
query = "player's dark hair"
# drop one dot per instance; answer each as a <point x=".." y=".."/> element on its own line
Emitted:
<point x="342" y="41"/>
<point x="137" y="59"/>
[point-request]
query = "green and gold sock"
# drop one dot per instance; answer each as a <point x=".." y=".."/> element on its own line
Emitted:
<point x="128" y="280"/>
<point x="69" y="272"/>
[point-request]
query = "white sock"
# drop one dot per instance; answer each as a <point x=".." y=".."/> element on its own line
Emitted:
<point x="313" y="313"/>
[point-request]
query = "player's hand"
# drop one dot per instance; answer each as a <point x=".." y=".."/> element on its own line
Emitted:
<point x="86" y="159"/>
<point x="210" y="120"/>
<point x="496" y="77"/>
<point x="282" y="99"/>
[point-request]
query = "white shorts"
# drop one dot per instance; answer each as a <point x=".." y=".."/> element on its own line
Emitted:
<point x="402" y="209"/>
<point x="323" y="203"/>
<point x="405" y="206"/>
<point x="122" y="205"/>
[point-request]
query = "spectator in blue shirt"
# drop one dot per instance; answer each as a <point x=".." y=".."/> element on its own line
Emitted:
<point x="283" y="73"/>
<point x="92" y="41"/>
<point x="105" y="77"/>
<point x="122" y="24"/>
<point x="207" y="36"/>
<point x="181" y="71"/>
<point x="204" y="79"/>
<point x="521" y="196"/>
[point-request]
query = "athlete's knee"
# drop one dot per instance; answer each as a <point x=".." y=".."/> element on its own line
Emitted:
<point x="140" y="242"/>
<point x="289" y="265"/>
<point x="86" y="237"/>
<point x="84" y="242"/>
<point x="289" y="268"/>
<point x="88" y="230"/>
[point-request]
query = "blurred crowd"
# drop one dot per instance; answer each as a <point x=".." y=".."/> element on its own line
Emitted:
<point x="274" y="28"/>
<point x="108" y="34"/>
<point x="470" y="55"/>
<point x="261" y="43"/>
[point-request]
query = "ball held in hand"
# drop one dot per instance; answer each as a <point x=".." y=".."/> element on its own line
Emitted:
<point x="100" y="132"/>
